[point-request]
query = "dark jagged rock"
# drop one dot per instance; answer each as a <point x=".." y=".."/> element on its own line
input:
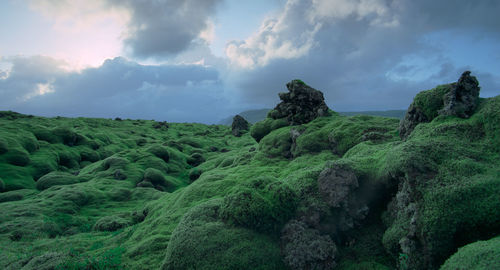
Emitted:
<point x="300" y="105"/>
<point x="463" y="98"/>
<point x="306" y="248"/>
<point x="413" y="117"/>
<point x="460" y="99"/>
<point x="239" y="125"/>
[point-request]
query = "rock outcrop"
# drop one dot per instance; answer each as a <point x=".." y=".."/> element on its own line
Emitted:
<point x="239" y="125"/>
<point x="414" y="116"/>
<point x="460" y="99"/>
<point x="300" y="105"/>
<point x="463" y="98"/>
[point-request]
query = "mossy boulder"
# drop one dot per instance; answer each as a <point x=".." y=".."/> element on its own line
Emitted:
<point x="277" y="144"/>
<point x="89" y="155"/>
<point x="11" y="196"/>
<point x="65" y="135"/>
<point x="56" y="179"/>
<point x="264" y="209"/>
<point x="69" y="158"/>
<point x="114" y="162"/>
<point x="43" y="164"/>
<point x="480" y="255"/>
<point x="260" y="129"/>
<point x="195" y="159"/>
<point x="3" y="146"/>
<point x="194" y="174"/>
<point x="111" y="223"/>
<point x="202" y="241"/>
<point x="18" y="157"/>
<point x="155" y="178"/>
<point x="160" y="152"/>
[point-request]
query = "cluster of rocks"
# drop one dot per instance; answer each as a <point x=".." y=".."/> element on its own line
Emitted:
<point x="461" y="100"/>
<point x="300" y="105"/>
<point x="310" y="241"/>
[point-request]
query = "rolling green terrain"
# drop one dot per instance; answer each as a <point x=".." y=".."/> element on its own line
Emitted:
<point x="82" y="193"/>
<point x="254" y="116"/>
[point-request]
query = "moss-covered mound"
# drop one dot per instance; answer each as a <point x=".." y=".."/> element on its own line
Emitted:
<point x="481" y="255"/>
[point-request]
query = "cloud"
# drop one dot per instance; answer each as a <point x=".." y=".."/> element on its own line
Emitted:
<point x="166" y="27"/>
<point x="151" y="29"/>
<point x="39" y="85"/>
<point x="363" y="54"/>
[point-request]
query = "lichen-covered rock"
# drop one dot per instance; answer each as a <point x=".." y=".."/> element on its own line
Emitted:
<point x="306" y="248"/>
<point x="239" y="125"/>
<point x="336" y="184"/>
<point x="300" y="105"/>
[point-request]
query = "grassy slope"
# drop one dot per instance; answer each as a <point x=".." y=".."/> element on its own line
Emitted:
<point x="231" y="216"/>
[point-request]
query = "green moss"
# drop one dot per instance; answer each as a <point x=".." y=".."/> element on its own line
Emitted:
<point x="114" y="162"/>
<point x="312" y="142"/>
<point x="202" y="241"/>
<point x="195" y="159"/>
<point x="55" y="179"/>
<point x="111" y="223"/>
<point x="155" y="177"/>
<point x="476" y="256"/>
<point x="17" y="157"/>
<point x="260" y="129"/>
<point x="232" y="215"/>
<point x="89" y="155"/>
<point x="431" y="101"/>
<point x="363" y="266"/>
<point x="160" y="152"/>
<point x="15" y="177"/>
<point x="262" y="207"/>
<point x="277" y="143"/>
<point x="3" y="146"/>
<point x="2" y="185"/>
<point x="444" y="225"/>
<point x="45" y="134"/>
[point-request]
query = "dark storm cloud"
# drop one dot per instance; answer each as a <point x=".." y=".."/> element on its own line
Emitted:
<point x="165" y="27"/>
<point x="358" y="51"/>
<point x="118" y="88"/>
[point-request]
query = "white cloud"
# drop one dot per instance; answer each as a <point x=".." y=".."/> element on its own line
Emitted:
<point x="40" y="90"/>
<point x="208" y="34"/>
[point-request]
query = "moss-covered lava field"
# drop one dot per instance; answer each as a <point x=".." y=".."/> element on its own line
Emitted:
<point x="336" y="192"/>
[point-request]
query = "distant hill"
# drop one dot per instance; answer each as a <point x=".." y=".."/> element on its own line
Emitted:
<point x="390" y="113"/>
<point x="254" y="116"/>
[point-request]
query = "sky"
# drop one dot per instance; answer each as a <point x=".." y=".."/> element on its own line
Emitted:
<point x="204" y="60"/>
